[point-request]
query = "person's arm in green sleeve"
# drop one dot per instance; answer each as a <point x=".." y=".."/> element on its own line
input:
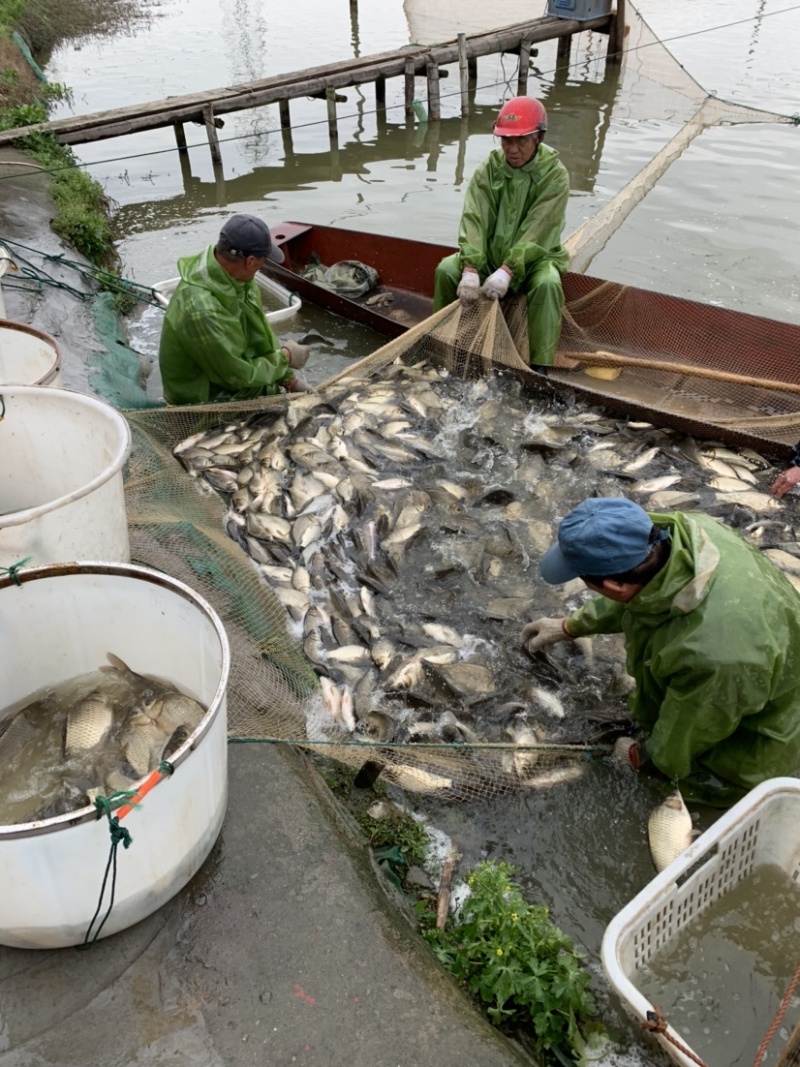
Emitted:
<point x="542" y="227"/>
<point x="217" y="344"/>
<point x="477" y="221"/>
<point x="599" y="616"/>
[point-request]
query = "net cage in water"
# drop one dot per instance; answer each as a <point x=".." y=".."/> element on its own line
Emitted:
<point x="368" y="547"/>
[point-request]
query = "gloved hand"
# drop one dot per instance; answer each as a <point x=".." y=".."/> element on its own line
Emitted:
<point x="297" y="385"/>
<point x="496" y="285"/>
<point x="469" y="288"/>
<point x="627" y="752"/>
<point x="543" y="632"/>
<point x="296" y="354"/>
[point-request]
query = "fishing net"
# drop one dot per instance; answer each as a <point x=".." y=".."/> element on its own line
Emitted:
<point x="179" y="525"/>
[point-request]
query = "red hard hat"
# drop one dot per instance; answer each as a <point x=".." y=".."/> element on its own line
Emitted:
<point x="520" y="116"/>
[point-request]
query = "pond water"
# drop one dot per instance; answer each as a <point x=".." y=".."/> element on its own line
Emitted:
<point x="720" y="226"/>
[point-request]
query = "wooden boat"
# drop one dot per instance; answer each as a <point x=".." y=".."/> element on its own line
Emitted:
<point x="720" y="374"/>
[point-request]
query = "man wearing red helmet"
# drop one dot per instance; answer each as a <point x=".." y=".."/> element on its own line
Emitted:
<point x="510" y="234"/>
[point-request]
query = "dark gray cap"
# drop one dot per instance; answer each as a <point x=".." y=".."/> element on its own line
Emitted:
<point x="246" y="235"/>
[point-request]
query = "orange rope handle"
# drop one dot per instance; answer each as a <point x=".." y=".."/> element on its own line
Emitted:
<point x="150" y="782"/>
<point x="657" y="1024"/>
<point x="776" y="1022"/>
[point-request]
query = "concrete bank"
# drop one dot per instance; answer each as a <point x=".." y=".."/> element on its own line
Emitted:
<point x="286" y="948"/>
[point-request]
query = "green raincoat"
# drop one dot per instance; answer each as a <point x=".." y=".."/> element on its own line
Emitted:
<point x="713" y="642"/>
<point x="216" y="342"/>
<point x="515" y="215"/>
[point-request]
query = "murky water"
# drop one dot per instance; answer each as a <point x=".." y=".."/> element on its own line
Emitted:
<point x="720" y="226"/>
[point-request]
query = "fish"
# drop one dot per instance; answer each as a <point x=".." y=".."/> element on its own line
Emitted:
<point x="523" y="761"/>
<point x="669" y="830"/>
<point x="88" y="723"/>
<point x="655" y="485"/>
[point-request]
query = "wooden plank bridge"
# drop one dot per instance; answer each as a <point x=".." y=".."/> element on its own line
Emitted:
<point x="205" y="108"/>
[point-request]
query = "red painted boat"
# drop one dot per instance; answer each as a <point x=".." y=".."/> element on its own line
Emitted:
<point x="635" y="322"/>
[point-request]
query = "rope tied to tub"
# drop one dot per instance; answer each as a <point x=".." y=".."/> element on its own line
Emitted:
<point x="657" y="1024"/>
<point x="12" y="570"/>
<point x="105" y="806"/>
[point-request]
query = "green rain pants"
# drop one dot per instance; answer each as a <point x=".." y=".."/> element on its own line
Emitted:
<point x="542" y="287"/>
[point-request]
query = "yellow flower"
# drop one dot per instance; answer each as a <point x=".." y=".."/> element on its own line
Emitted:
<point x="499" y="951"/>
<point x="507" y="889"/>
<point x="514" y="917"/>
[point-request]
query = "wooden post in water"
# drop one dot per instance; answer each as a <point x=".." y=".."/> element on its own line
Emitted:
<point x="463" y="134"/>
<point x="409" y="78"/>
<point x="286" y="128"/>
<point x="616" y="35"/>
<point x="434" y="102"/>
<point x="463" y="72"/>
<point x="524" y="66"/>
<point x="563" y="50"/>
<point x="211" y="129"/>
<point x="434" y="144"/>
<point x="333" y="127"/>
<point x="380" y="103"/>
<point x="180" y="138"/>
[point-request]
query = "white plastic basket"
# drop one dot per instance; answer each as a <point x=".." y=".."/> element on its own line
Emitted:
<point x="162" y="291"/>
<point x="763" y="828"/>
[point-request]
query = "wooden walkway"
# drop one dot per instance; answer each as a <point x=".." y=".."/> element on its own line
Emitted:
<point x="206" y="107"/>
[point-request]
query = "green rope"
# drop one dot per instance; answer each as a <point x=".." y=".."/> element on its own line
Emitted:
<point x="166" y="767"/>
<point x="12" y="570"/>
<point x="105" y="805"/>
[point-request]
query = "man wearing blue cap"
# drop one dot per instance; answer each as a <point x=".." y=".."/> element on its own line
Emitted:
<point x="712" y="635"/>
<point x="216" y="342"/>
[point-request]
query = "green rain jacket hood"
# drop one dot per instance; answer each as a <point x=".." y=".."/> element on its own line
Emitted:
<point x="216" y="342"/>
<point x="713" y="642"/>
<point x="515" y="215"/>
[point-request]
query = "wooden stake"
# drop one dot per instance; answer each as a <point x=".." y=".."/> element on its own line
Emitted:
<point x="524" y="66"/>
<point x="463" y="72"/>
<point x="616" y="36"/>
<point x="604" y="358"/>
<point x="409" y="77"/>
<point x="434" y="104"/>
<point x="333" y="128"/>
<point x="180" y="137"/>
<point x="443" y="902"/>
<point x="211" y="130"/>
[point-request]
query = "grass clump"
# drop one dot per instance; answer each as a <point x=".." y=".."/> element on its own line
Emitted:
<point x="522" y="968"/>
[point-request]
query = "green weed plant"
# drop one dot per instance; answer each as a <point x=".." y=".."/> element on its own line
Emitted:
<point x="512" y="958"/>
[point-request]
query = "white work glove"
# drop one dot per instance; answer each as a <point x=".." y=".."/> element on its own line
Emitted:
<point x="469" y="288"/>
<point x="496" y="285"/>
<point x="541" y="633"/>
<point x="627" y="752"/>
<point x="297" y="385"/>
<point x="296" y="354"/>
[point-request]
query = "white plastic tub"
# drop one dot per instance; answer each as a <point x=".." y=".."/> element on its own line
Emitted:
<point x="58" y="623"/>
<point x="763" y="828"/>
<point x="28" y="356"/>
<point x="61" y="493"/>
<point x="162" y="291"/>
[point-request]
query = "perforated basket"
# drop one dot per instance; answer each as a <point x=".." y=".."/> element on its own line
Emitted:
<point x="763" y="828"/>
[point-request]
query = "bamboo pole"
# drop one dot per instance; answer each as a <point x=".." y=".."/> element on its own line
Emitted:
<point x="604" y="358"/>
<point x="463" y="72"/>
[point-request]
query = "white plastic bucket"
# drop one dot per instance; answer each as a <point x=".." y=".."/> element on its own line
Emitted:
<point x="28" y="356"/>
<point x="61" y="493"/>
<point x="59" y="622"/>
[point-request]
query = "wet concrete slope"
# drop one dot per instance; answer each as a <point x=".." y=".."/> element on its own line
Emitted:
<point x="283" y="950"/>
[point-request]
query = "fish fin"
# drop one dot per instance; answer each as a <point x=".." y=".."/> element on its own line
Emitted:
<point x="117" y="664"/>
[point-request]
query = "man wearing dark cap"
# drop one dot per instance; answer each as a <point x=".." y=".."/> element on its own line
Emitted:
<point x="712" y="635"/>
<point x="216" y="343"/>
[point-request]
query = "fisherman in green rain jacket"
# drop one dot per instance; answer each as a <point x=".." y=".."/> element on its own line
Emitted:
<point x="712" y="637"/>
<point x="510" y="234"/>
<point x="216" y="343"/>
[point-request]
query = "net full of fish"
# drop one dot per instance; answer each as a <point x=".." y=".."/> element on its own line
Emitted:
<point x="91" y="735"/>
<point x="399" y="520"/>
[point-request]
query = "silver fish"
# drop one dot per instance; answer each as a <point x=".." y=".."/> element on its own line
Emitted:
<point x="88" y="723"/>
<point x="669" y="830"/>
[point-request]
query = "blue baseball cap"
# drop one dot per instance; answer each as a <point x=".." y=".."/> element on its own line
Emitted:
<point x="602" y="536"/>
